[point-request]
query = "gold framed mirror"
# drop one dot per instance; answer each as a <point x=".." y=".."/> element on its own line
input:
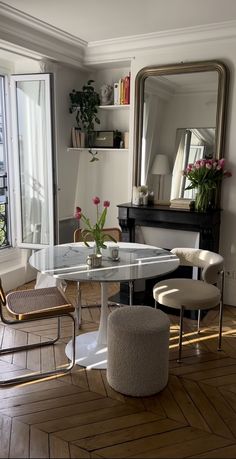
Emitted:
<point x="180" y="116"/>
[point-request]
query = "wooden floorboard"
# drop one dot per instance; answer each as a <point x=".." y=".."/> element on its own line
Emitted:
<point x="81" y="416"/>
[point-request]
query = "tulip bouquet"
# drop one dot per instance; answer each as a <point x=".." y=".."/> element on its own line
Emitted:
<point x="206" y="175"/>
<point x="95" y="232"/>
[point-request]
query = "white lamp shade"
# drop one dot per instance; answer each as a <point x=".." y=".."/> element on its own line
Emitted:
<point x="161" y="165"/>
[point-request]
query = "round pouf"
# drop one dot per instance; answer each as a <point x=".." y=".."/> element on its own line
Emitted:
<point x="138" y="350"/>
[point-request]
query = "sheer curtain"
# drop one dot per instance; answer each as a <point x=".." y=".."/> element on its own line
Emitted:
<point x="33" y="161"/>
<point x="177" y="177"/>
<point x="149" y="138"/>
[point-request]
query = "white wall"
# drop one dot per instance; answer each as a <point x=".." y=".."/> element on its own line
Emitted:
<point x="65" y="80"/>
<point x="207" y="50"/>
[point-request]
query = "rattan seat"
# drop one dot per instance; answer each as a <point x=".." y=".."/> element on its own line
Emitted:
<point x="32" y="304"/>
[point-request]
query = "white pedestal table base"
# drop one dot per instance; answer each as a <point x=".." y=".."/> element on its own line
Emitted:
<point x="88" y="352"/>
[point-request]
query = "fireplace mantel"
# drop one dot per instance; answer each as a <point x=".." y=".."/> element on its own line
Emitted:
<point x="206" y="224"/>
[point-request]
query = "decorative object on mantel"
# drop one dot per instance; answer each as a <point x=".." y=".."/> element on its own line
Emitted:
<point x="160" y="167"/>
<point x="135" y="196"/>
<point x="85" y="103"/>
<point x="143" y="195"/>
<point x="95" y="232"/>
<point x="206" y="175"/>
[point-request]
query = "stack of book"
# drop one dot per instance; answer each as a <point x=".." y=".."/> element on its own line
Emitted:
<point x="122" y="91"/>
<point x="180" y="203"/>
<point x="77" y="138"/>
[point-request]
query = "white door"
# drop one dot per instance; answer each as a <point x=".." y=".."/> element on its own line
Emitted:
<point x="33" y="160"/>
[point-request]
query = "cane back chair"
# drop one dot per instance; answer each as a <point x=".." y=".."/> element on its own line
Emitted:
<point x="33" y="305"/>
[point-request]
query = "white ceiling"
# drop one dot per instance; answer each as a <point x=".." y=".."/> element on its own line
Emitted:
<point x="94" y="20"/>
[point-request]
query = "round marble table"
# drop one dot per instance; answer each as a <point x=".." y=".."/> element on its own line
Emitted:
<point x="68" y="262"/>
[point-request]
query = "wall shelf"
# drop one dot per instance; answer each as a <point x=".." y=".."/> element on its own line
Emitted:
<point x="114" y="107"/>
<point x="97" y="149"/>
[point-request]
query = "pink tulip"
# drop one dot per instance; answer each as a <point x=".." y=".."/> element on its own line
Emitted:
<point x="78" y="215"/>
<point x="96" y="200"/>
<point x="106" y="204"/>
<point x="208" y="165"/>
<point x="221" y="163"/>
<point x="78" y="209"/>
<point x="197" y="165"/>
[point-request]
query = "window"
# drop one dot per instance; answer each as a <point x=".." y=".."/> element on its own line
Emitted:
<point x="4" y="212"/>
<point x="31" y="165"/>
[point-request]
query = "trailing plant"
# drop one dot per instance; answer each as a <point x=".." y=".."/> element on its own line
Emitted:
<point x="85" y="104"/>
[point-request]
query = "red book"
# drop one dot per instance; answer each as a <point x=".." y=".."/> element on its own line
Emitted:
<point x="127" y="90"/>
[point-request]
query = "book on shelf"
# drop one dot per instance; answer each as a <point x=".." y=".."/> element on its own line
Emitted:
<point x="180" y="203"/>
<point x="122" y="91"/>
<point x="116" y="94"/>
<point x="77" y="138"/>
<point x="126" y="90"/>
<point x="73" y="138"/>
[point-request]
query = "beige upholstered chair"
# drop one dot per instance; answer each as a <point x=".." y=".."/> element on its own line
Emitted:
<point x="29" y="305"/>
<point x="191" y="294"/>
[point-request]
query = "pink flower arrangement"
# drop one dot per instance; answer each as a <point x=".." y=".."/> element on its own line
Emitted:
<point x="206" y="172"/>
<point x="95" y="232"/>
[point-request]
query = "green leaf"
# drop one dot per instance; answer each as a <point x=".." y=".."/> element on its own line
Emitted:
<point x="102" y="219"/>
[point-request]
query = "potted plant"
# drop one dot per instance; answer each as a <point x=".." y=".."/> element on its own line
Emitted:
<point x="85" y="104"/>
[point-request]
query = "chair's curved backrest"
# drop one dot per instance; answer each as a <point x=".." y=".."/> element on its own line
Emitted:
<point x="114" y="232"/>
<point x="210" y="262"/>
<point x="2" y="295"/>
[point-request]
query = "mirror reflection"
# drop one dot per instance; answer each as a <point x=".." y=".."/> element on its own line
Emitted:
<point x="179" y="117"/>
<point x="191" y="145"/>
<point x="179" y="121"/>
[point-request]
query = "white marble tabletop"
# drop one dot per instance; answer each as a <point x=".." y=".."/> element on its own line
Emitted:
<point x="136" y="261"/>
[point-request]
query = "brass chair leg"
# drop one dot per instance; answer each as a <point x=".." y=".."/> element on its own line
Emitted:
<point x="26" y="347"/>
<point x="131" y="292"/>
<point x="78" y="308"/>
<point x="221" y="311"/>
<point x="181" y="319"/>
<point x="52" y="373"/>
<point x="198" y="320"/>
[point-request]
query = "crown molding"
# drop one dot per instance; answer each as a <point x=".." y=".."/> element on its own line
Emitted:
<point x="33" y="34"/>
<point x="130" y="46"/>
<point x="46" y="41"/>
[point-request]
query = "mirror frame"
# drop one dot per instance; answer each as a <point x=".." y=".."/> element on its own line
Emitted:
<point x="174" y="69"/>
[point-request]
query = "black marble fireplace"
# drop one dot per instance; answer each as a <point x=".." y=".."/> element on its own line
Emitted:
<point x="206" y="224"/>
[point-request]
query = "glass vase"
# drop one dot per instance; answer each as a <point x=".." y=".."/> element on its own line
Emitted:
<point x="205" y="199"/>
<point x="97" y="248"/>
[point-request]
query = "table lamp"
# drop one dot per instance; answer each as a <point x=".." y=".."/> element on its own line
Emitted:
<point x="160" y="167"/>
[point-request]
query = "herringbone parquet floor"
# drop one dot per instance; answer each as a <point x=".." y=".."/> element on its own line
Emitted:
<point x="80" y="416"/>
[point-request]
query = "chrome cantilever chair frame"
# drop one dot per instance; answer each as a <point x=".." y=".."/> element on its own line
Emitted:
<point x="210" y="278"/>
<point x="35" y="376"/>
<point x="77" y="238"/>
